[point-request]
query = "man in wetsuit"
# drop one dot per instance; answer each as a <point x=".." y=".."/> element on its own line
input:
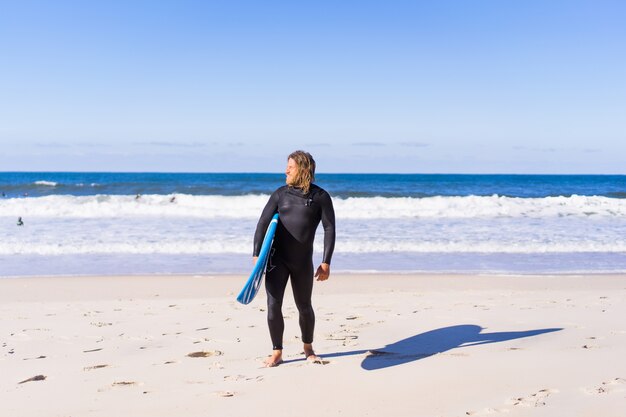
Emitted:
<point x="301" y="206"/>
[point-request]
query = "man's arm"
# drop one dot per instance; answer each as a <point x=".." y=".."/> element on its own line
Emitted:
<point x="328" y="223"/>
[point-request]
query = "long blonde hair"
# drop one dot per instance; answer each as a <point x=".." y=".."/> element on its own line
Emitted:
<point x="306" y="170"/>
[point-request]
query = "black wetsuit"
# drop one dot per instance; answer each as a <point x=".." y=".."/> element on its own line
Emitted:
<point x="292" y="253"/>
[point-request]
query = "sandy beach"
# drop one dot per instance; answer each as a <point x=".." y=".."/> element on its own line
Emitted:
<point x="394" y="345"/>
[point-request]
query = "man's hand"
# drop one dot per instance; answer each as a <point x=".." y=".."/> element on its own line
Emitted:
<point x="323" y="272"/>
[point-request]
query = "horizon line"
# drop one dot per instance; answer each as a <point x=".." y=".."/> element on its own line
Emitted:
<point x="317" y="173"/>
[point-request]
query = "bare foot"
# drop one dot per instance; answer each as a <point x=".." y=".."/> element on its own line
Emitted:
<point x="310" y="355"/>
<point x="275" y="359"/>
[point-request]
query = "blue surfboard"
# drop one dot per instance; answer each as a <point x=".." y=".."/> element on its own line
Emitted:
<point x="251" y="288"/>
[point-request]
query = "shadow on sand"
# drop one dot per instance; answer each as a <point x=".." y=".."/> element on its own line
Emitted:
<point x="433" y="342"/>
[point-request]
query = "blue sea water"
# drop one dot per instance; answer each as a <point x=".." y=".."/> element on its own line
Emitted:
<point x="38" y="184"/>
<point x="133" y="223"/>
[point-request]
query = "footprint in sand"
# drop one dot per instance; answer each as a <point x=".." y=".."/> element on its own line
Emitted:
<point x="101" y="324"/>
<point x="347" y="336"/>
<point x="457" y="355"/>
<point x="236" y="378"/>
<point x="484" y="412"/>
<point x="39" y="357"/>
<point x="608" y="387"/>
<point x="224" y="394"/>
<point x="205" y="354"/>
<point x="117" y="384"/>
<point x="342" y="337"/>
<point x="590" y="346"/>
<point x="91" y="368"/>
<point x="537" y="399"/>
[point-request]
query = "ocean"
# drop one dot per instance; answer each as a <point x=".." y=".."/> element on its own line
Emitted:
<point x="139" y="223"/>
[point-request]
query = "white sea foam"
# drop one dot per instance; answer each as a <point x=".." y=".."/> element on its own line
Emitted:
<point x="249" y="206"/>
<point x="87" y="246"/>
<point x="217" y="225"/>
<point x="476" y="207"/>
<point x="479" y="247"/>
<point x="199" y="236"/>
<point x="129" y="206"/>
<point x="243" y="247"/>
<point x="47" y="183"/>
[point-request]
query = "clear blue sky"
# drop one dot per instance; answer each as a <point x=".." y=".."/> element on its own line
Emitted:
<point x="532" y="86"/>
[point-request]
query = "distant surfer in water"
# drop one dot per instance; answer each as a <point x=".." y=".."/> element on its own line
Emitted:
<point x="301" y="206"/>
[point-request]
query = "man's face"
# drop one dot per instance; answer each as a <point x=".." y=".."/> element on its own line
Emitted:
<point x="291" y="172"/>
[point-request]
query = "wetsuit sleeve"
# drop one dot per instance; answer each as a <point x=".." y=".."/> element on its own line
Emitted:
<point x="270" y="209"/>
<point x="328" y="223"/>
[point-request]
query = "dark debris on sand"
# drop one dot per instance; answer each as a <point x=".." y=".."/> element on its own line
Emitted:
<point x="35" y="378"/>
